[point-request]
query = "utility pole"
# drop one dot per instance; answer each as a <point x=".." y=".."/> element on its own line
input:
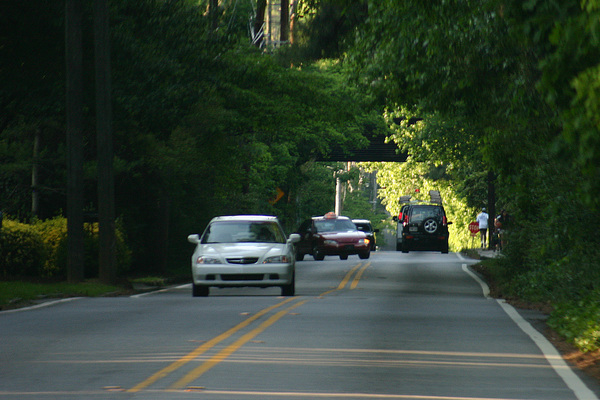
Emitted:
<point x="338" y="195"/>
<point x="74" y="111"/>
<point x="106" y="191"/>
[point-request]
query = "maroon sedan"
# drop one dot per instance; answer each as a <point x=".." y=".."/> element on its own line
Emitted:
<point x="331" y="235"/>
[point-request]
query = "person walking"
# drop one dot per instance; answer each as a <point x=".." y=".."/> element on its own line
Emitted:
<point x="482" y="220"/>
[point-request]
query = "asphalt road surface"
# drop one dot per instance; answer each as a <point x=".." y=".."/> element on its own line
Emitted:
<point x="396" y="326"/>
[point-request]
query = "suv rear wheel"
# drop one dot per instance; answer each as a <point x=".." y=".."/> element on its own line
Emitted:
<point x="404" y="247"/>
<point x="430" y="225"/>
<point x="445" y="248"/>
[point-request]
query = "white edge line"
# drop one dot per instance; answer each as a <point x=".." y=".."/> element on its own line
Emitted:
<point x="581" y="391"/>
<point x="46" y="304"/>
<point x="484" y="286"/>
<point x="137" y="296"/>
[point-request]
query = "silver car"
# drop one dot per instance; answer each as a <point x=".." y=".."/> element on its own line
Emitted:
<point x="243" y="250"/>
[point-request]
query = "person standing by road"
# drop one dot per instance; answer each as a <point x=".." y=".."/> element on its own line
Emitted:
<point x="501" y="223"/>
<point x="482" y="220"/>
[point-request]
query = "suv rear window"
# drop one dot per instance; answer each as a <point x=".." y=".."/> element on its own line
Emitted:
<point x="421" y="213"/>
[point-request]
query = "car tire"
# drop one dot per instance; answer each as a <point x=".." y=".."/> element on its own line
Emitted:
<point x="199" y="290"/>
<point x="343" y="256"/>
<point x="290" y="289"/>
<point x="300" y="257"/>
<point x="405" y="248"/>
<point x="318" y="255"/>
<point x="365" y="255"/>
<point x="445" y="248"/>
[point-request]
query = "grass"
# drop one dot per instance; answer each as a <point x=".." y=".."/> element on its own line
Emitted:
<point x="17" y="293"/>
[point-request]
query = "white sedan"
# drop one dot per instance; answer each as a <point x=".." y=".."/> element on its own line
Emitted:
<point x="243" y="250"/>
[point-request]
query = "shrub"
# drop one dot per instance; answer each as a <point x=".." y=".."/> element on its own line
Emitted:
<point x="22" y="251"/>
<point x="39" y="250"/>
<point x="54" y="236"/>
<point x="579" y="321"/>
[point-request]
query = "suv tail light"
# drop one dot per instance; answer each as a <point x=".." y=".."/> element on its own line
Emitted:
<point x="444" y="220"/>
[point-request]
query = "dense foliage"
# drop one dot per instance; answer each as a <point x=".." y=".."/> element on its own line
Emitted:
<point x="507" y="87"/>
<point x="206" y="124"/>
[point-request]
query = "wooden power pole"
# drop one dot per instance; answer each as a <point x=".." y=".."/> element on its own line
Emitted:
<point x="74" y="114"/>
<point x="106" y="192"/>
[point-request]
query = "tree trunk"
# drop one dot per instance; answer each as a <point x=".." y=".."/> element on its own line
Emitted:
<point x="74" y="115"/>
<point x="259" y="21"/>
<point x="106" y="192"/>
<point x="292" y="20"/>
<point x="163" y="219"/>
<point x="491" y="206"/>
<point x="35" y="175"/>
<point x="285" y="21"/>
<point x="213" y="12"/>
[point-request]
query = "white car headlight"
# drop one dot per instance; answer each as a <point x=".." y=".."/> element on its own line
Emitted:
<point x="283" y="259"/>
<point x="207" y="260"/>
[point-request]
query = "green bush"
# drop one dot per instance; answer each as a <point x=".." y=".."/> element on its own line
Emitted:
<point x="54" y="236"/>
<point x="39" y="250"/>
<point x="22" y="250"/>
<point x="579" y="321"/>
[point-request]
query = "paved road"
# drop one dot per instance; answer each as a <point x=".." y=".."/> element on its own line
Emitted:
<point x="396" y="326"/>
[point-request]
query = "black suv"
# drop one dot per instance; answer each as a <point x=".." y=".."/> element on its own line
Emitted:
<point x="365" y="226"/>
<point x="423" y="226"/>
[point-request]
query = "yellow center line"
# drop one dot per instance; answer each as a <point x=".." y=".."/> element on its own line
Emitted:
<point x="226" y="352"/>
<point x="358" y="276"/>
<point x="205" y="347"/>
<point x="347" y="277"/>
<point x="229" y="350"/>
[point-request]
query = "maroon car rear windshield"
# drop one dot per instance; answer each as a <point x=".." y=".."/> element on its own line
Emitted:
<point x="334" y="225"/>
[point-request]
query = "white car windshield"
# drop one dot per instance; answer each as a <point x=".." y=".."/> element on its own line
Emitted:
<point x="243" y="231"/>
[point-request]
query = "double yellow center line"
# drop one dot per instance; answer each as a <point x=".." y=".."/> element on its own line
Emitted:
<point x="347" y="278"/>
<point x="227" y="351"/>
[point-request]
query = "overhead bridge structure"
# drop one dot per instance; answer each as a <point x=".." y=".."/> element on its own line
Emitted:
<point x="377" y="150"/>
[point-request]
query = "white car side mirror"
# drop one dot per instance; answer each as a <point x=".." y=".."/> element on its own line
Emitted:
<point x="294" y="238"/>
<point x="195" y="238"/>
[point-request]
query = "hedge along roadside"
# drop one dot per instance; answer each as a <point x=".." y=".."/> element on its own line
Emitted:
<point x="39" y="250"/>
